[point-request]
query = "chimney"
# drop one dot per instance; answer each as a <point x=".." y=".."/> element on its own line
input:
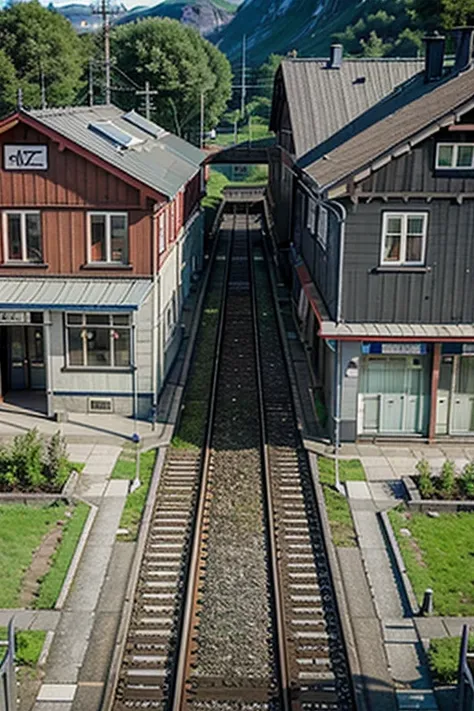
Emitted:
<point x="434" y="56"/>
<point x="464" y="37"/>
<point x="335" y="57"/>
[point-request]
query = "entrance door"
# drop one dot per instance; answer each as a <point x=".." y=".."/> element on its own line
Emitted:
<point x="463" y="397"/>
<point x="18" y="358"/>
<point x="35" y="343"/>
<point x="443" y="403"/>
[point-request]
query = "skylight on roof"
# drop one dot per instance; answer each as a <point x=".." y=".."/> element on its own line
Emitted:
<point x="120" y="138"/>
<point x="144" y="124"/>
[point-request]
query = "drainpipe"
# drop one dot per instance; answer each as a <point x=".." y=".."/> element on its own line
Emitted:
<point x="154" y="323"/>
<point x="134" y="368"/>
<point x="49" y="365"/>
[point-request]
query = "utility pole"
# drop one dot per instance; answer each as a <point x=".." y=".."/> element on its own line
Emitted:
<point x="201" y="127"/>
<point x="43" y="89"/>
<point x="242" y="101"/>
<point x="91" y="82"/>
<point x="106" y="27"/>
<point x="148" y="93"/>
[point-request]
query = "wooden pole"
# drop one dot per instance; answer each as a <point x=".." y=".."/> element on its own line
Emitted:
<point x="434" y="390"/>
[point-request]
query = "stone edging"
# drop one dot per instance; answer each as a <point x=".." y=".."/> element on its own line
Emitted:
<point x="26" y="497"/>
<point x="127" y="608"/>
<point x="416" y="503"/>
<point x="400" y="564"/>
<point x="76" y="557"/>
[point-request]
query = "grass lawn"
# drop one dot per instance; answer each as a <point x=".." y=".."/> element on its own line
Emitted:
<point x="339" y="514"/>
<point x="443" y="656"/>
<point x="28" y="645"/>
<point x="135" y="503"/>
<point x="52" y="582"/>
<point x="439" y="554"/>
<point x="258" y="130"/>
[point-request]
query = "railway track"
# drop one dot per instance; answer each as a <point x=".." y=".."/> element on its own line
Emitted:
<point x="234" y="607"/>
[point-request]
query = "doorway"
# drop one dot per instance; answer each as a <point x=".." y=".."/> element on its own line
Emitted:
<point x="455" y="400"/>
<point x="22" y="358"/>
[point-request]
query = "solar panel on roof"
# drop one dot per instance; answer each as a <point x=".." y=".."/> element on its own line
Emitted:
<point x="144" y="124"/>
<point x="115" y="134"/>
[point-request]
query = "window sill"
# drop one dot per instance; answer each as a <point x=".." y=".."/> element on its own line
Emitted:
<point x="27" y="265"/>
<point x="107" y="265"/>
<point x="97" y="369"/>
<point x="386" y="269"/>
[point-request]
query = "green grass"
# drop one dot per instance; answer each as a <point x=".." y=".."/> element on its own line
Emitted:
<point x="443" y="656"/>
<point x="337" y="506"/>
<point x="52" y="582"/>
<point x="21" y="531"/>
<point x="135" y="503"/>
<point x="439" y="554"/>
<point x="28" y="645"/>
<point x="244" y="135"/>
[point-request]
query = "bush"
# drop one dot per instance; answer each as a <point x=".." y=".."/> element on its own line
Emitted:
<point x="467" y="481"/>
<point x="425" y="482"/>
<point x="31" y="464"/>
<point x="447" y="480"/>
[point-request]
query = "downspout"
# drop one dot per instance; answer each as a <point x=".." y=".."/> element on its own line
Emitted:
<point x="135" y="368"/>
<point x="47" y="325"/>
<point x="155" y="315"/>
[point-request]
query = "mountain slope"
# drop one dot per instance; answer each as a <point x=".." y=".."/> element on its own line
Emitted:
<point x="281" y="26"/>
<point x="205" y="15"/>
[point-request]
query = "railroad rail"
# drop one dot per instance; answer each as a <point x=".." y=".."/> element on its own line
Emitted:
<point x="234" y="607"/>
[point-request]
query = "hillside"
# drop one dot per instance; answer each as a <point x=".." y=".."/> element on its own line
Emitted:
<point x="207" y="16"/>
<point x="280" y="26"/>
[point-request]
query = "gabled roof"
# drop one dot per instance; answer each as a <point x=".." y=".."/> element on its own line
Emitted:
<point x="321" y="100"/>
<point x="156" y="158"/>
<point x="390" y="127"/>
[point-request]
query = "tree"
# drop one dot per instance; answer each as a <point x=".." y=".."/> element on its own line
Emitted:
<point x="7" y="85"/>
<point x="266" y="75"/>
<point x="39" y="42"/>
<point x="179" y="65"/>
<point x="445" y="13"/>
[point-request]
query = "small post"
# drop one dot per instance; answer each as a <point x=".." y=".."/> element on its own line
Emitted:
<point x="136" y="482"/>
<point x="147" y="100"/>
<point x="43" y="89"/>
<point x="19" y="99"/>
<point x="235" y="131"/>
<point x="427" y="606"/>
<point x="91" y="82"/>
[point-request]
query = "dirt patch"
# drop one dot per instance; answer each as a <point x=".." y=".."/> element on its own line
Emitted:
<point x="40" y="565"/>
<point x="417" y="551"/>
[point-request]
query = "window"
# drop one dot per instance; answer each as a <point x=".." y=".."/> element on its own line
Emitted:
<point x="161" y="233"/>
<point x="311" y="216"/>
<point x="455" y="156"/>
<point x="404" y="238"/>
<point x="323" y="226"/>
<point x="22" y="236"/>
<point x="98" y="340"/>
<point x="108" y="237"/>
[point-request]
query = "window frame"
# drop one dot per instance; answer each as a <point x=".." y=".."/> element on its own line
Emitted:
<point x="162" y="233"/>
<point x="311" y="215"/>
<point x="24" y="245"/>
<point x="322" y="222"/>
<point x="84" y="325"/>
<point x="108" y="244"/>
<point x="404" y="215"/>
<point x="455" y="145"/>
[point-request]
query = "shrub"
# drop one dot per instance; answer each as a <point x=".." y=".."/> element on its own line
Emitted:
<point x="467" y="481"/>
<point x="30" y="464"/>
<point x="425" y="482"/>
<point x="56" y="463"/>
<point x="447" y="480"/>
<point x="27" y="456"/>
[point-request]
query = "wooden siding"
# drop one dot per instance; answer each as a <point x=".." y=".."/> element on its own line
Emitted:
<point x="443" y="294"/>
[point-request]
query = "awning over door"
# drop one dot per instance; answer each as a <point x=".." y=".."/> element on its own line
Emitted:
<point x="73" y="294"/>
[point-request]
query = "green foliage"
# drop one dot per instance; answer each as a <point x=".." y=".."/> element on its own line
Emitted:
<point x="135" y="503"/>
<point x="31" y="464"/>
<point x="52" y="582"/>
<point x="7" y="84"/>
<point x="180" y="65"/>
<point x="425" y="483"/>
<point x="447" y="480"/>
<point x="467" y="481"/>
<point x="445" y="13"/>
<point x="443" y="656"/>
<point x="337" y="506"/>
<point x="28" y="645"/>
<point x="36" y="41"/>
<point x="266" y="75"/>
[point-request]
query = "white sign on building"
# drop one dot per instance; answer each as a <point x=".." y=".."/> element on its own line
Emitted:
<point x="23" y="157"/>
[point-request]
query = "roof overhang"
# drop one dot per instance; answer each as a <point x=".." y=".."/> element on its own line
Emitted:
<point x="53" y="294"/>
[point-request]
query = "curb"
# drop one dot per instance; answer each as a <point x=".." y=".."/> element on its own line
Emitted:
<point x="46" y="647"/>
<point x="76" y="557"/>
<point x="399" y="564"/>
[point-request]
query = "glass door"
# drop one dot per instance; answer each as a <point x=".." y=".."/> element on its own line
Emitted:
<point x="37" y="374"/>
<point x="443" y="403"/>
<point x="18" y="358"/>
<point x="462" y="420"/>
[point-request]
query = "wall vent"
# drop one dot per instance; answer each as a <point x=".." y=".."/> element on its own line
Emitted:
<point x="100" y="404"/>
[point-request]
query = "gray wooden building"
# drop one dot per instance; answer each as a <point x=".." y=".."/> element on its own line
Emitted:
<point x="372" y="186"/>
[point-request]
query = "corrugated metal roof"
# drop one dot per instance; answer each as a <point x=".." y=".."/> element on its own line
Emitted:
<point x="322" y="101"/>
<point x="387" y="126"/>
<point x="164" y="163"/>
<point x="381" y="331"/>
<point x="73" y="294"/>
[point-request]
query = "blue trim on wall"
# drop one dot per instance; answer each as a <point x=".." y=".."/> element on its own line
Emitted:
<point x="88" y="393"/>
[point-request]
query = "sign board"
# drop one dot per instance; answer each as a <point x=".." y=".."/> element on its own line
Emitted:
<point x="468" y="348"/>
<point x="15" y="317"/>
<point x="395" y="348"/>
<point x="23" y="157"/>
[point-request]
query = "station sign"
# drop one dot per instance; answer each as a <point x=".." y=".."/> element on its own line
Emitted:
<point x="377" y="348"/>
<point x="15" y="317"/>
<point x="20" y="156"/>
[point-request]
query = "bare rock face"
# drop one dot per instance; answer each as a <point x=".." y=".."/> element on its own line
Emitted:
<point x="204" y="15"/>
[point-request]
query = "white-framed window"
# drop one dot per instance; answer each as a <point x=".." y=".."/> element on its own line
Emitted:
<point x="162" y="233"/>
<point x="454" y="156"/>
<point x="171" y="316"/>
<point x="311" y="215"/>
<point x="107" y="237"/>
<point x="404" y="238"/>
<point x="96" y="340"/>
<point x="22" y="241"/>
<point x="323" y="226"/>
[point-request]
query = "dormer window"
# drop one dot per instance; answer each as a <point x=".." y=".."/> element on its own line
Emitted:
<point x="455" y="156"/>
